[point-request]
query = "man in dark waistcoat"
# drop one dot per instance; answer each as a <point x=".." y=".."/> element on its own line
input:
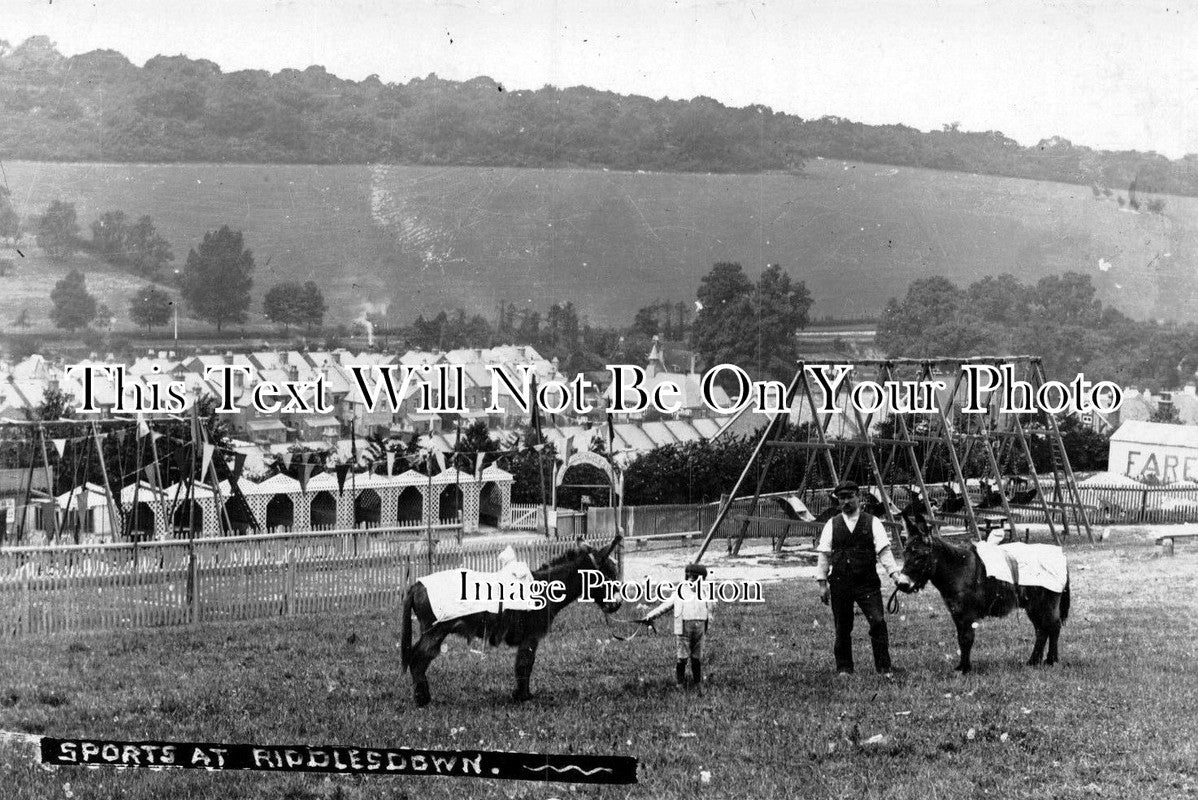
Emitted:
<point x="850" y="546"/>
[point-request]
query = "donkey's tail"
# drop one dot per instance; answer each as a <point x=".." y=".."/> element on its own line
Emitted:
<point x="1065" y="601"/>
<point x="405" y="640"/>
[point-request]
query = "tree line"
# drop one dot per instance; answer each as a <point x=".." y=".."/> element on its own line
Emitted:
<point x="1059" y="317"/>
<point x="100" y="106"/>
<point x="215" y="281"/>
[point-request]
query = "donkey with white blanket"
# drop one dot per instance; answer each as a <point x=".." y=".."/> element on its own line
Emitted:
<point x="447" y="603"/>
<point x="987" y="580"/>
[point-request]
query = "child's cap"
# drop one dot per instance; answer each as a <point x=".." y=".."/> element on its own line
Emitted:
<point x="696" y="571"/>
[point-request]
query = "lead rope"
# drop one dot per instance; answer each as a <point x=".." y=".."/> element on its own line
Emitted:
<point x="892" y="605"/>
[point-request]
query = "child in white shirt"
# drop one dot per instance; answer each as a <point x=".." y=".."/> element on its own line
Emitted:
<point x="691" y="618"/>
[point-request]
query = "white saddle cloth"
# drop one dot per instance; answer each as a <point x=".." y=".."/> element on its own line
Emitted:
<point x="445" y="593"/>
<point x="1025" y="564"/>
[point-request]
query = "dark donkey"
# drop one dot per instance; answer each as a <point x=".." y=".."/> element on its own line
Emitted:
<point x="971" y="594"/>
<point x="522" y="629"/>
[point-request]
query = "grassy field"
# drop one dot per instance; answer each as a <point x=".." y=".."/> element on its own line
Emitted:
<point x="1118" y="718"/>
<point x="416" y="239"/>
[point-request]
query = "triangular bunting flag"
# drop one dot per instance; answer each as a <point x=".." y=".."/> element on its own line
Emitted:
<point x="390" y="462"/>
<point x="151" y="471"/>
<point x="342" y="470"/>
<point x="287" y="460"/>
<point x="120" y="436"/>
<point x="478" y="464"/>
<point x="206" y="460"/>
<point x="238" y="466"/>
<point x="437" y="454"/>
<point x="142" y="427"/>
<point x="304" y="472"/>
<point x="60" y="445"/>
<point x="567" y="447"/>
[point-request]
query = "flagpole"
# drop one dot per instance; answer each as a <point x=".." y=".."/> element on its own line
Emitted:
<point x="49" y="488"/>
<point x="457" y="479"/>
<point x="353" y="477"/>
<point x="428" y="465"/>
<point x="540" y="448"/>
<point x="108" y="499"/>
<point x="192" y="565"/>
<point x="158" y="480"/>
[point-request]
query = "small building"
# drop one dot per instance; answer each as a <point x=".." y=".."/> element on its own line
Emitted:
<point x="1155" y="452"/>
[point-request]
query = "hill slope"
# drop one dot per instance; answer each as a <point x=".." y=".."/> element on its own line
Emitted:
<point x="424" y="238"/>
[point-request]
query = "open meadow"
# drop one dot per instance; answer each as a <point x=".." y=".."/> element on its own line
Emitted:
<point x="420" y="239"/>
<point x="1118" y="717"/>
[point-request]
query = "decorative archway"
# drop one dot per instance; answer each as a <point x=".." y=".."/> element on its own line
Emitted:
<point x="141" y="522"/>
<point x="490" y="505"/>
<point x="450" y="505"/>
<point x="592" y="460"/>
<point x="280" y="512"/>
<point x="324" y="511"/>
<point x="409" y="509"/>
<point x="368" y="508"/>
<point x="183" y="518"/>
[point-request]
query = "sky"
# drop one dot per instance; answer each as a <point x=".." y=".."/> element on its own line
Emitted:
<point x="1111" y="75"/>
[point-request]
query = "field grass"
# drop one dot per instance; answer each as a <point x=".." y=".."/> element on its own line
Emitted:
<point x="418" y="239"/>
<point x="1118" y="718"/>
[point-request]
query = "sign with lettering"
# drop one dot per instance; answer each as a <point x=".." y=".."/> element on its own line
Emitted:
<point x="347" y="760"/>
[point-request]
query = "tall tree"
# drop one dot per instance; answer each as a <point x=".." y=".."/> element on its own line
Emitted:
<point x="146" y="252"/>
<point x="314" y="305"/>
<point x="780" y="311"/>
<point x="58" y="231"/>
<point x="73" y="308"/>
<point x="218" y="278"/>
<point x="750" y="326"/>
<point x="108" y="236"/>
<point x="722" y="328"/>
<point x="286" y="304"/>
<point x="150" y="306"/>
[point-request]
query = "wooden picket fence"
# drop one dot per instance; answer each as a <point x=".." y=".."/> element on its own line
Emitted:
<point x="85" y="588"/>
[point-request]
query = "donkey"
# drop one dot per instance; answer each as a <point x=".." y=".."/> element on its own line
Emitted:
<point x="519" y="628"/>
<point x="971" y="593"/>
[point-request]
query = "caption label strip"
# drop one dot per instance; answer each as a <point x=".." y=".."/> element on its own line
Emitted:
<point x="344" y="760"/>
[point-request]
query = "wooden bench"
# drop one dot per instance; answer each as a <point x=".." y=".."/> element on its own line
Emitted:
<point x="1164" y="544"/>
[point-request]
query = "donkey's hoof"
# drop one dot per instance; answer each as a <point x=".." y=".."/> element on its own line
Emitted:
<point x="521" y="696"/>
<point x="963" y="668"/>
<point x="1035" y="662"/>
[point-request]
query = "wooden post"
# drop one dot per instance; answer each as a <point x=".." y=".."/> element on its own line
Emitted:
<point x="49" y="487"/>
<point x="428" y="462"/>
<point x="26" y="606"/>
<point x="726" y="506"/>
<point x="108" y="497"/>
<point x="1079" y="511"/>
<point x="289" y="584"/>
<point x="971" y="521"/>
<point x="1031" y="465"/>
